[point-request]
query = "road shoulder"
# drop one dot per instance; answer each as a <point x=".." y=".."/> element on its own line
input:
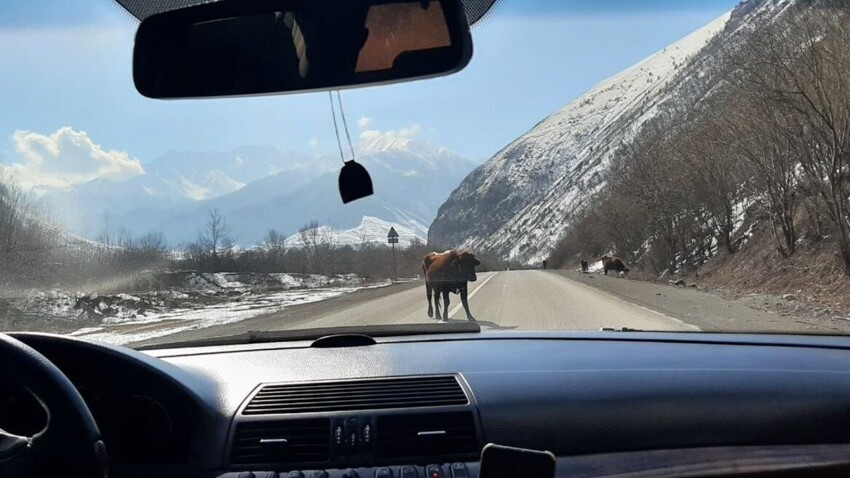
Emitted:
<point x="709" y="312"/>
<point x="289" y="318"/>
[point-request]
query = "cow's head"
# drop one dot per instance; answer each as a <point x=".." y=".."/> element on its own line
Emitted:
<point x="465" y="264"/>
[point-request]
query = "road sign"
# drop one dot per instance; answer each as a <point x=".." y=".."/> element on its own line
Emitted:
<point x="392" y="238"/>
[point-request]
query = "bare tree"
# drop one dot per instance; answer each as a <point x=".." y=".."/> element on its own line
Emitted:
<point x="311" y="239"/>
<point x="275" y="243"/>
<point x="762" y="140"/>
<point x="215" y="234"/>
<point x="715" y="176"/>
<point x="798" y="65"/>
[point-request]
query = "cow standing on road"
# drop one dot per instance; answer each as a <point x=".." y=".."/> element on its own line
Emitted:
<point x="612" y="263"/>
<point x="448" y="272"/>
<point x="584" y="266"/>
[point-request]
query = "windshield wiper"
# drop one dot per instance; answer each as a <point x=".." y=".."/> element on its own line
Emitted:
<point x="623" y="329"/>
<point x="260" y="337"/>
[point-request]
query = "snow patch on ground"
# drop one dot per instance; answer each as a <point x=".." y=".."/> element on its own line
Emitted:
<point x="195" y="300"/>
<point x="180" y="320"/>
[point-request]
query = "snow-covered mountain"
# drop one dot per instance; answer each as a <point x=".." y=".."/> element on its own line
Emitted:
<point x="411" y="178"/>
<point x="371" y="230"/>
<point x="518" y="203"/>
<point x="260" y="187"/>
<point x="175" y="181"/>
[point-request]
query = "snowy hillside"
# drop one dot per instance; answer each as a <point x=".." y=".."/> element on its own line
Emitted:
<point x="371" y="230"/>
<point x="519" y="202"/>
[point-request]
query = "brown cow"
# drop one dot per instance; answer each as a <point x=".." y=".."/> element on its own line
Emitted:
<point x="614" y="264"/>
<point x="584" y="266"/>
<point x="450" y="271"/>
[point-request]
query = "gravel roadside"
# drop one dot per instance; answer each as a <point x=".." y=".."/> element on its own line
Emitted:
<point x="712" y="312"/>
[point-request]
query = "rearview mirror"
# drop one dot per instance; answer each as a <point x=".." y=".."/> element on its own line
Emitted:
<point x="233" y="47"/>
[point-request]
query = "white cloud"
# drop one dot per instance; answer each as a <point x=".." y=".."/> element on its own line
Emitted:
<point x="314" y="142"/>
<point x="65" y="158"/>
<point x="399" y="134"/>
<point x="364" y="122"/>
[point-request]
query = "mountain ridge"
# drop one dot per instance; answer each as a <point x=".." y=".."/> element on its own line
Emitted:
<point x="262" y="187"/>
<point x="528" y="190"/>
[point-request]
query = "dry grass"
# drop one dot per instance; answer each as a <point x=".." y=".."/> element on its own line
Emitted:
<point x="813" y="274"/>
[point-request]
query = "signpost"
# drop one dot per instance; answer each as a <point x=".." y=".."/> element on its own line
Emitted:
<point x="392" y="239"/>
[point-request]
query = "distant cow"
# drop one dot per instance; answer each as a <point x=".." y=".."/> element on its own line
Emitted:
<point x="584" y="266"/>
<point x="450" y="271"/>
<point x="611" y="263"/>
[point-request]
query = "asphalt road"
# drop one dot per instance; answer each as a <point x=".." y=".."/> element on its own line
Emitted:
<point x="524" y="300"/>
<point x="528" y="300"/>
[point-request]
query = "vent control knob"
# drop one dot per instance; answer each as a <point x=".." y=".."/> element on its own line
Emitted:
<point x="384" y="472"/>
<point x="409" y="471"/>
<point x="459" y="470"/>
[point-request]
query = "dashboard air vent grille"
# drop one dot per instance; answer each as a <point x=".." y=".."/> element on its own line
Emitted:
<point x="372" y="394"/>
<point x="425" y="435"/>
<point x="293" y="441"/>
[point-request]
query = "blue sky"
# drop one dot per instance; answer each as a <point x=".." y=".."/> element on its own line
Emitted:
<point x="531" y="58"/>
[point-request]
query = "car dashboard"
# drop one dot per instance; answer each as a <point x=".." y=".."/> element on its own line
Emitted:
<point x="605" y="404"/>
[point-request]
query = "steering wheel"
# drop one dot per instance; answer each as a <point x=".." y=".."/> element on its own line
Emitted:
<point x="69" y="445"/>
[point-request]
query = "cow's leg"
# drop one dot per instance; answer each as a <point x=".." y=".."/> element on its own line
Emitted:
<point x="428" y="291"/>
<point x="464" y="300"/>
<point x="437" y="293"/>
<point x="446" y="304"/>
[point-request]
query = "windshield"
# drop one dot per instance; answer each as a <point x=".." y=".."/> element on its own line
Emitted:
<point x="653" y="166"/>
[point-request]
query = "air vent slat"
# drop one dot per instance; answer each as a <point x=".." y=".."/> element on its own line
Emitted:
<point x="398" y="436"/>
<point x="352" y="404"/>
<point x="359" y="391"/>
<point x="361" y="383"/>
<point x="308" y="442"/>
<point x="356" y="389"/>
<point x="352" y="396"/>
<point x="370" y="394"/>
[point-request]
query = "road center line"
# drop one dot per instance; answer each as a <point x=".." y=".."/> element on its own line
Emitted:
<point x="469" y="296"/>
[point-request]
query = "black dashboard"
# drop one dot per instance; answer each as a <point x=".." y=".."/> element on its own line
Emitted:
<point x="603" y="403"/>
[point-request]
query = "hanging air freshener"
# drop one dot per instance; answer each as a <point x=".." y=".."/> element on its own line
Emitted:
<point x="354" y="181"/>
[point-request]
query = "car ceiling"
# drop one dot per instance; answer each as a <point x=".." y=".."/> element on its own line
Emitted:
<point x="476" y="10"/>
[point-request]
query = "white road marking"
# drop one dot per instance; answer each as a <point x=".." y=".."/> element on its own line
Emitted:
<point x="469" y="296"/>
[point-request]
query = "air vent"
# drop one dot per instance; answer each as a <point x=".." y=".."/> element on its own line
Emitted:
<point x="438" y="435"/>
<point x="375" y="394"/>
<point x="294" y="441"/>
